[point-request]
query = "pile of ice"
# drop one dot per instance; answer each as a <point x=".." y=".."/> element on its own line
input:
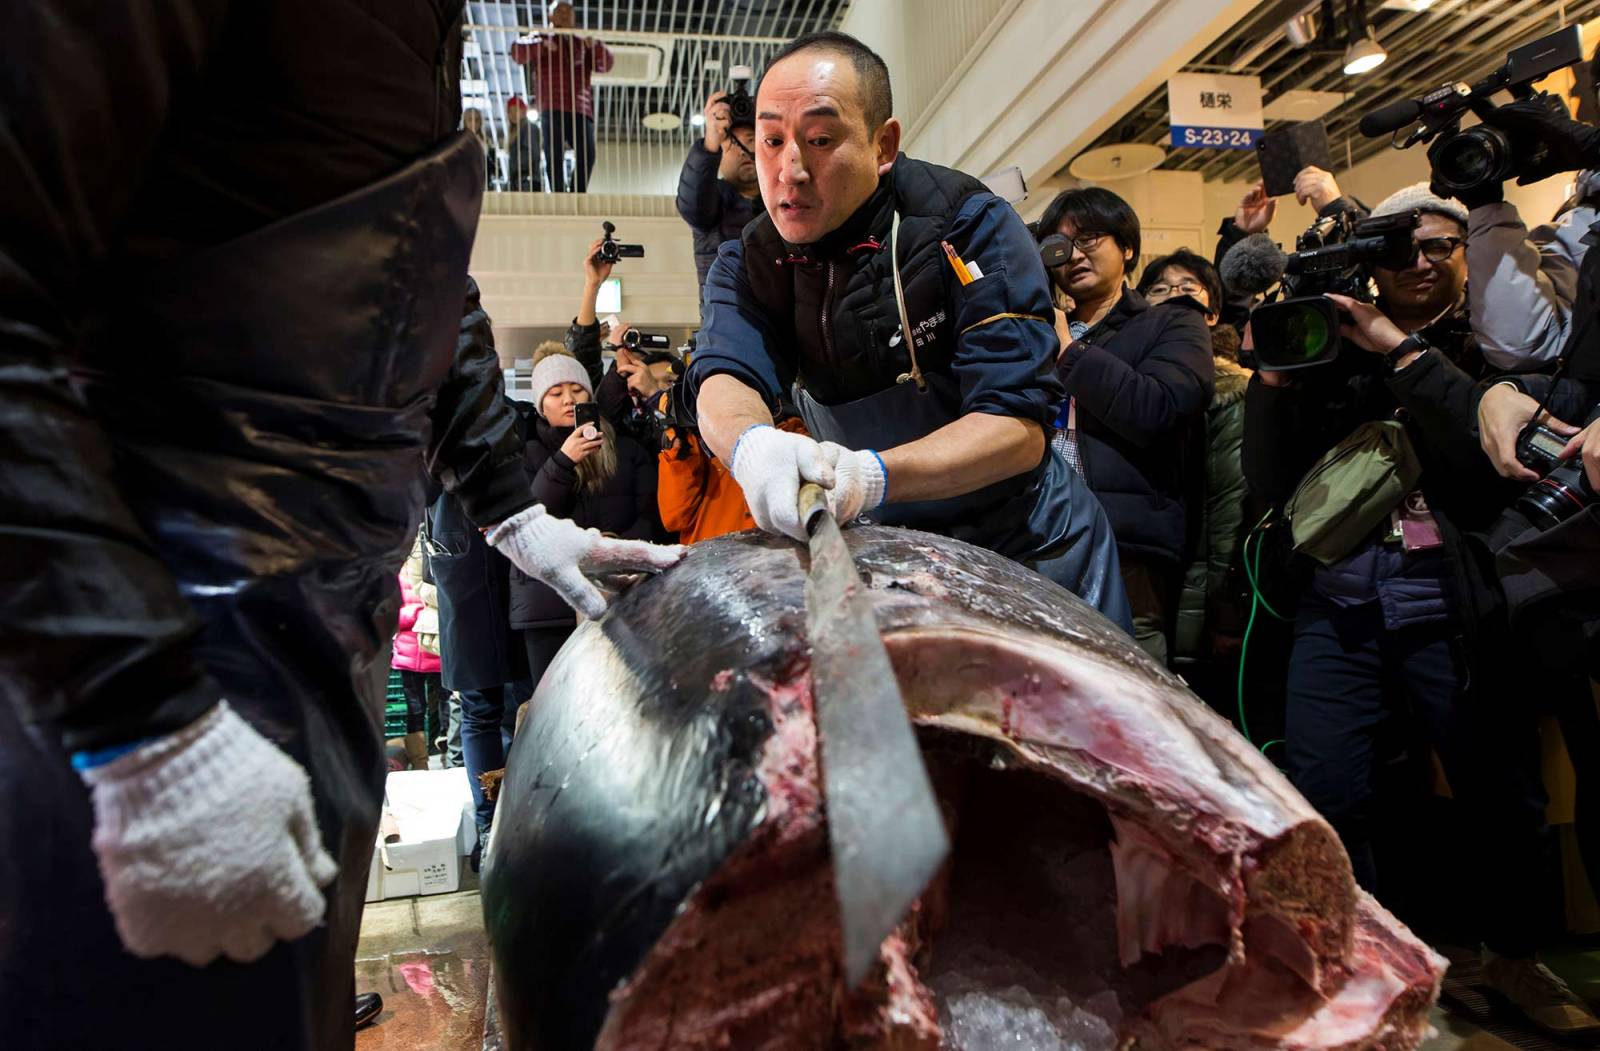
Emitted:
<point x="992" y="1002"/>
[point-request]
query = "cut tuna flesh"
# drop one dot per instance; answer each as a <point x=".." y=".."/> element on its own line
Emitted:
<point x="1126" y="871"/>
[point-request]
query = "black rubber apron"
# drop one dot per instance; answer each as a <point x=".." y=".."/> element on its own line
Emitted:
<point x="268" y="401"/>
<point x="1050" y="521"/>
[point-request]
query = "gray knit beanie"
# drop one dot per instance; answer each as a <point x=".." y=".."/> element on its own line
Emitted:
<point x="1420" y="197"/>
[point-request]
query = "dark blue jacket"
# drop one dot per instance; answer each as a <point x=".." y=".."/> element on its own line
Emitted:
<point x="1002" y="345"/>
<point x="714" y="210"/>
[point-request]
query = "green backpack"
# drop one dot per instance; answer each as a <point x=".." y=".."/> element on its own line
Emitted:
<point x="1352" y="489"/>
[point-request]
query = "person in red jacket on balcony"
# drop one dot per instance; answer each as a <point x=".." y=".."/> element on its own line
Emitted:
<point x="560" y="65"/>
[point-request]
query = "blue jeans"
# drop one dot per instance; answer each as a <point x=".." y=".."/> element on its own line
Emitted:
<point x="487" y="719"/>
<point x="1348" y="678"/>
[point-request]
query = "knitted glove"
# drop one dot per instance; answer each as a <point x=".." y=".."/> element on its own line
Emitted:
<point x="860" y="483"/>
<point x="207" y="843"/>
<point x="564" y="556"/>
<point x="770" y="466"/>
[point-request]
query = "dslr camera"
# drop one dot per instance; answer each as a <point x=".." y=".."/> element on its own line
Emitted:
<point x="1564" y="490"/>
<point x="612" y="250"/>
<point x="1465" y="160"/>
<point x="1335" y="255"/>
<point x="741" y="105"/>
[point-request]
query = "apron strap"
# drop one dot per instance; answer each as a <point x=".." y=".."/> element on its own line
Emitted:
<point x="900" y="301"/>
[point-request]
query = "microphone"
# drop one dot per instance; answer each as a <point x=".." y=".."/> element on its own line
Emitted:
<point x="1253" y="265"/>
<point x="1388" y="119"/>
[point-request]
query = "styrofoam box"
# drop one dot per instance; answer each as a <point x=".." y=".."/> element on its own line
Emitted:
<point x="433" y="809"/>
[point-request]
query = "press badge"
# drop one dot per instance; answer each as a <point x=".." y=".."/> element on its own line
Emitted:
<point x="1418" y="529"/>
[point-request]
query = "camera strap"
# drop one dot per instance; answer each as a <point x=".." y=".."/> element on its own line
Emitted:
<point x="915" y="374"/>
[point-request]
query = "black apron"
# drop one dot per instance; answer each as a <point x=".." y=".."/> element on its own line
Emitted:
<point x="268" y="401"/>
<point x="1053" y="524"/>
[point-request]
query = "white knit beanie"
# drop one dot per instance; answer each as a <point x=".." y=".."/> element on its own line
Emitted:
<point x="1420" y="197"/>
<point x="553" y="370"/>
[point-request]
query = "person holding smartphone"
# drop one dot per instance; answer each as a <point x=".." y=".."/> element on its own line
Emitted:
<point x="583" y="469"/>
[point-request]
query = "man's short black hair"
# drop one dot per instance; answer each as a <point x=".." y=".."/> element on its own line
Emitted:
<point x="872" y="76"/>
<point x="1096" y="210"/>
<point x="1190" y="263"/>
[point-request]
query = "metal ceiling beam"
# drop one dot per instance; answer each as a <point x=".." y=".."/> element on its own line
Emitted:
<point x="1478" y="38"/>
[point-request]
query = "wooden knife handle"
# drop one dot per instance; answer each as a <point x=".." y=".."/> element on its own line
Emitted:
<point x="813" y="504"/>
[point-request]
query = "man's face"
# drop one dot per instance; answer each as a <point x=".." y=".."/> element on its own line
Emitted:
<point x="738" y="165"/>
<point x="1425" y="286"/>
<point x="816" y="159"/>
<point x="561" y="16"/>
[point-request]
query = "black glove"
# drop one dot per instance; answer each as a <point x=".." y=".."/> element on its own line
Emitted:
<point x="1570" y="145"/>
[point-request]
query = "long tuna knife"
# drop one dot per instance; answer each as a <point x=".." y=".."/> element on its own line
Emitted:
<point x="884" y="826"/>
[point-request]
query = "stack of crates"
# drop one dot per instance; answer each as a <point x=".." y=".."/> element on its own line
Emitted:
<point x="394" y="707"/>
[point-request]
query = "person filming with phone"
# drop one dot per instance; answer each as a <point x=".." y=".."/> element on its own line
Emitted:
<point x="582" y="469"/>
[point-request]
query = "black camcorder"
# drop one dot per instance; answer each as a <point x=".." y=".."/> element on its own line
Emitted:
<point x="741" y="105"/>
<point x="650" y="342"/>
<point x="611" y="250"/>
<point x="1465" y="160"/>
<point x="1335" y="255"/>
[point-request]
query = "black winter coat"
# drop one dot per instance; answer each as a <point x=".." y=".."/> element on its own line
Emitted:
<point x="478" y="650"/>
<point x="625" y="508"/>
<point x="714" y="210"/>
<point x="1143" y="378"/>
<point x="1288" y="428"/>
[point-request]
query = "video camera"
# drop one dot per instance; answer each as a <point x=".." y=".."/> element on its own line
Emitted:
<point x="611" y="250"/>
<point x="741" y="105"/>
<point x="1464" y="160"/>
<point x="1334" y="255"/>
<point x="652" y="343"/>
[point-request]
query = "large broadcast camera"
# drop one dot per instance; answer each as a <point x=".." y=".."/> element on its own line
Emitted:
<point x="612" y="250"/>
<point x="1465" y="160"/>
<point x="1334" y="255"/>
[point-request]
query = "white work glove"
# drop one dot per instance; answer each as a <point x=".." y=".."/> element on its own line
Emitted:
<point x="565" y="557"/>
<point x="208" y="844"/>
<point x="859" y="482"/>
<point x="770" y="466"/>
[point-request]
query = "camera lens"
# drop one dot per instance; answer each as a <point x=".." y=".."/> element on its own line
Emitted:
<point x="1294" y="332"/>
<point x="1556" y="497"/>
<point x="1476" y="156"/>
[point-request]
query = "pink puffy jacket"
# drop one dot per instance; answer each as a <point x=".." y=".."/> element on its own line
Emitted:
<point x="416" y="639"/>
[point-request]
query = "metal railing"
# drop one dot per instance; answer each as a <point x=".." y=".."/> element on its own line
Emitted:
<point x="608" y="112"/>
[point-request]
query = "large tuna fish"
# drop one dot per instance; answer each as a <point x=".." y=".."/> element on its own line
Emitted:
<point x="1127" y="870"/>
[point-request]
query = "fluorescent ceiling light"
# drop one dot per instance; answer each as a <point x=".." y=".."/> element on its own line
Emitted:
<point x="698" y="120"/>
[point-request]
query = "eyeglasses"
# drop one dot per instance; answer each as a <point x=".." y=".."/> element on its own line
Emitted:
<point x="1182" y="288"/>
<point x="1085" y="242"/>
<point x="1433" y="249"/>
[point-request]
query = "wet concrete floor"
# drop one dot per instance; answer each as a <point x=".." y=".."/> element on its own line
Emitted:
<point x="429" y="958"/>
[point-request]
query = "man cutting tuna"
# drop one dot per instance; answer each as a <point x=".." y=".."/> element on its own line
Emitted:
<point x="944" y="431"/>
